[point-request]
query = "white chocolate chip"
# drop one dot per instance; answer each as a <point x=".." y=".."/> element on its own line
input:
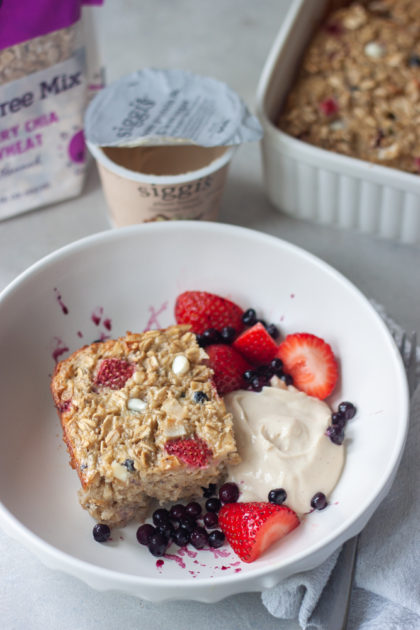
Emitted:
<point x="136" y="404"/>
<point x="120" y="471"/>
<point x="337" y="125"/>
<point x="180" y="365"/>
<point x="374" y="50"/>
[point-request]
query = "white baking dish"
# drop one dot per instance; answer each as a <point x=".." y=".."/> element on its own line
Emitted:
<point x="319" y="185"/>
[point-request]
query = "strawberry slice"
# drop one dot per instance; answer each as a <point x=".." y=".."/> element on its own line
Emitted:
<point x="206" y="310"/>
<point x="228" y="367"/>
<point x="311" y="363"/>
<point x="114" y="373"/>
<point x="250" y="528"/>
<point x="256" y="344"/>
<point x="192" y="451"/>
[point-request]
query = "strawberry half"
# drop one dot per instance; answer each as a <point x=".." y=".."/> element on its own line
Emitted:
<point x="311" y="363"/>
<point x="228" y="367"/>
<point x="192" y="451"/>
<point x="250" y="528"/>
<point x="114" y="373"/>
<point x="256" y="344"/>
<point x="206" y="310"/>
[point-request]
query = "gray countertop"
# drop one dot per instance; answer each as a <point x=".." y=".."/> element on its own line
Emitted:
<point x="229" y="41"/>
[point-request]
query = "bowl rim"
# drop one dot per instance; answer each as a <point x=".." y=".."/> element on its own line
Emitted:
<point x="363" y="511"/>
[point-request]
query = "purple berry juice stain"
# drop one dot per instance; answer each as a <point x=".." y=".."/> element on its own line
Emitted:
<point x="153" y="320"/>
<point x="108" y="323"/>
<point x="176" y="558"/>
<point x="184" y="550"/>
<point x="59" y="350"/>
<point x="65" y="406"/>
<point x="97" y="315"/>
<point x="59" y="299"/>
<point x="160" y="563"/>
<point x="219" y="553"/>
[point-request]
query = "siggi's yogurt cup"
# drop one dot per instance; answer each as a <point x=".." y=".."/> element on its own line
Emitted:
<point x="167" y="186"/>
<point x="163" y="140"/>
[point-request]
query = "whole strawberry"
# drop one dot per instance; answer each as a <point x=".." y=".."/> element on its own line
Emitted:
<point x="250" y="528"/>
<point x="228" y="367"/>
<point x="206" y="310"/>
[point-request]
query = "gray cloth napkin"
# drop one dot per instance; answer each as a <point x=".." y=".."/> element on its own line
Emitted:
<point x="387" y="580"/>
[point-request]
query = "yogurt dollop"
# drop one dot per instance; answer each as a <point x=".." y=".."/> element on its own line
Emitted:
<point x="280" y="435"/>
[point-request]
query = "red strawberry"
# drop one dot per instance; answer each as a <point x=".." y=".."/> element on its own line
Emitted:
<point x="311" y="363"/>
<point x="205" y="310"/>
<point x="114" y="373"/>
<point x="250" y="528"/>
<point x="192" y="451"/>
<point x="256" y="344"/>
<point x="228" y="366"/>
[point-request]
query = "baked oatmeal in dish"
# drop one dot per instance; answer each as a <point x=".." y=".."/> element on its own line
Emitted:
<point x="357" y="91"/>
<point x="142" y="419"/>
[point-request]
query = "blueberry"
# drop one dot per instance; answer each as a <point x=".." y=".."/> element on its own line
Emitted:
<point x="249" y="375"/>
<point x="227" y="334"/>
<point x="258" y="383"/>
<point x="338" y="419"/>
<point x="277" y="366"/>
<point x="210" y="520"/>
<point x="249" y="318"/>
<point x="414" y="61"/>
<point x="188" y="523"/>
<point x="287" y="379"/>
<point x="194" y="509"/>
<point x="199" y="538"/>
<point x="209" y="491"/>
<point x="213" y="504"/>
<point x="160" y="516"/>
<point x="157" y="544"/>
<point x="347" y="409"/>
<point x="129" y="464"/>
<point x="177" y="512"/>
<point x="201" y="340"/>
<point x="264" y="371"/>
<point x="211" y="335"/>
<point x="273" y="331"/>
<point x="229" y="492"/>
<point x="181" y="537"/>
<point x="101" y="532"/>
<point x="277" y="496"/>
<point x="319" y="501"/>
<point x="144" y="533"/>
<point x="200" y="397"/>
<point x="167" y="530"/>
<point x="216" y="538"/>
<point x="336" y="434"/>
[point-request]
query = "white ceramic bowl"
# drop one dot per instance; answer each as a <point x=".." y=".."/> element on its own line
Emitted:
<point x="129" y="278"/>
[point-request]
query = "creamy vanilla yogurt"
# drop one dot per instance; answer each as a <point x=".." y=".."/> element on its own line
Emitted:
<point x="280" y="435"/>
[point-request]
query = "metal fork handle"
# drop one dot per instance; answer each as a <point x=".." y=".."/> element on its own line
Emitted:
<point x="334" y="605"/>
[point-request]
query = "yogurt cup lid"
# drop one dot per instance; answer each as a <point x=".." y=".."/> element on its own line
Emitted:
<point x="169" y="106"/>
